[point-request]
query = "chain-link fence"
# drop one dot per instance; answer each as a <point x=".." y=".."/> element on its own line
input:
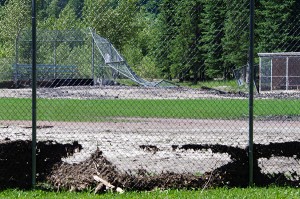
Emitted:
<point x="149" y="93"/>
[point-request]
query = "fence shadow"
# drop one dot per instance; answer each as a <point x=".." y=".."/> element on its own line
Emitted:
<point x="236" y="172"/>
<point x="15" y="161"/>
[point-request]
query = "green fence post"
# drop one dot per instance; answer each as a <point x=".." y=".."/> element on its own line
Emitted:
<point x="251" y="87"/>
<point x="33" y="93"/>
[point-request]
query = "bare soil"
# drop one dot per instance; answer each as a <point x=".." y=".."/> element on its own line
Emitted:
<point x="145" y="153"/>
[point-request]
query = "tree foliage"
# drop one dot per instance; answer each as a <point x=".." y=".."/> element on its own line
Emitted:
<point x="273" y="24"/>
<point x="14" y="17"/>
<point x="186" y="39"/>
<point x="236" y="35"/>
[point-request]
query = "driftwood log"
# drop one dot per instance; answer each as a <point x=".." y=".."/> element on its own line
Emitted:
<point x="104" y="184"/>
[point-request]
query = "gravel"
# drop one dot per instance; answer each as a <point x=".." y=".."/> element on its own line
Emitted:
<point x="126" y="92"/>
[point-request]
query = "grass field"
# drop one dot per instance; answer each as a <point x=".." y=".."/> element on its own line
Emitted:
<point x="98" y="110"/>
<point x="230" y="84"/>
<point x="272" y="193"/>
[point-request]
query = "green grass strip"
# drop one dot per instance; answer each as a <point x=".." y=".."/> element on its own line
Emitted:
<point x="266" y="193"/>
<point x="99" y="110"/>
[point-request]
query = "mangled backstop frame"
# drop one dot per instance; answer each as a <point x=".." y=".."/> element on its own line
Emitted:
<point x="78" y="57"/>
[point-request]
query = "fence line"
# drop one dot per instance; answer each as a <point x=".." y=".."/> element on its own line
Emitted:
<point x="185" y="115"/>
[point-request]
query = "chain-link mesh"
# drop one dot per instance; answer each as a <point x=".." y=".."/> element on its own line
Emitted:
<point x="149" y="93"/>
<point x="277" y="113"/>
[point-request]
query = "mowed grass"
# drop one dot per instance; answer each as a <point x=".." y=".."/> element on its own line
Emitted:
<point x="266" y="193"/>
<point x="99" y="110"/>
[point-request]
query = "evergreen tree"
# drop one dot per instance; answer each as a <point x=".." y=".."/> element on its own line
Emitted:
<point x="293" y="40"/>
<point x="185" y="55"/>
<point x="212" y="28"/>
<point x="272" y="24"/>
<point x="166" y="32"/>
<point x="235" y="42"/>
<point x="151" y="6"/>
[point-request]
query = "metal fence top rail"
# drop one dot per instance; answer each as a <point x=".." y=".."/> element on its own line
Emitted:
<point x="55" y="35"/>
<point x="283" y="54"/>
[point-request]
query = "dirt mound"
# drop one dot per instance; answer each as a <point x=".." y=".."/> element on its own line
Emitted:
<point x="15" y="168"/>
<point x="80" y="176"/>
<point x="234" y="174"/>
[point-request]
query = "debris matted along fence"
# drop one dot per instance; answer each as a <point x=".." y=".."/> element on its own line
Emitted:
<point x="116" y="119"/>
